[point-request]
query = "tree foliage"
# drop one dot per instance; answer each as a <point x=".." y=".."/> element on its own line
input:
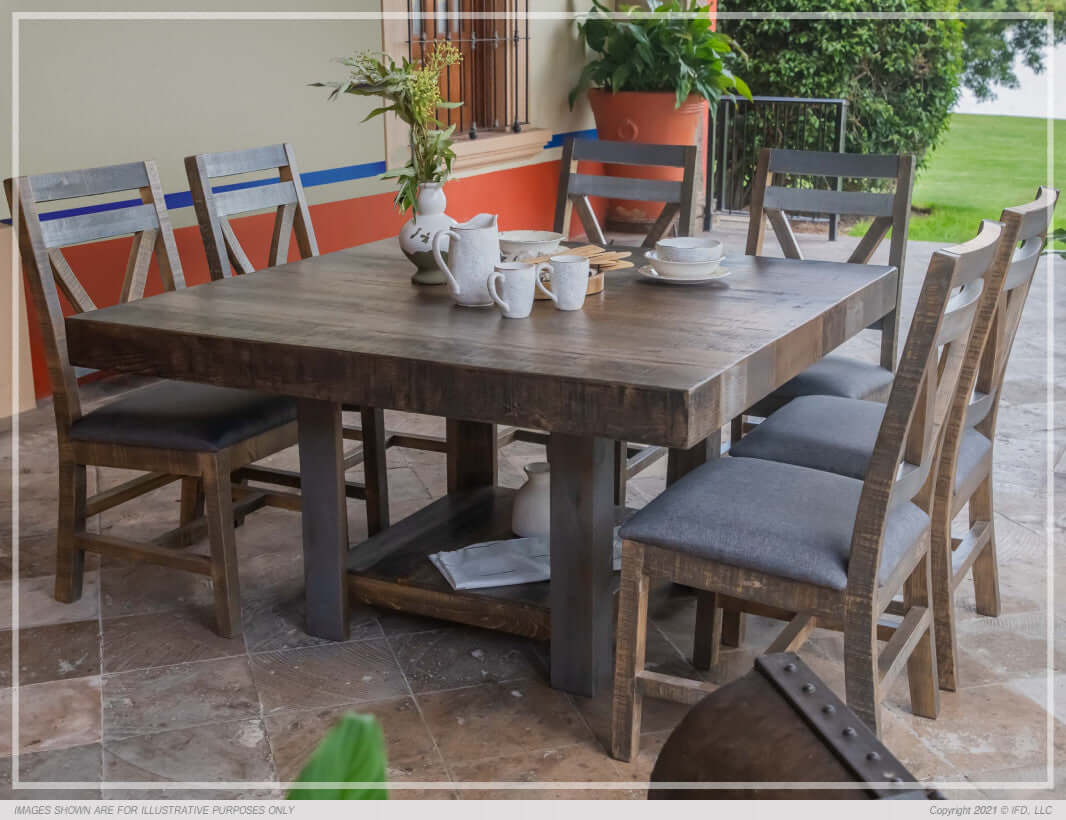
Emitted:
<point x="992" y="46"/>
<point x="900" y="77"/>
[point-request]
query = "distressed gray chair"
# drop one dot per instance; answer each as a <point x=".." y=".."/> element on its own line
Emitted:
<point x="196" y="433"/>
<point x="832" y="549"/>
<point x="575" y="188"/>
<point x="773" y="198"/>
<point x="838" y="435"/>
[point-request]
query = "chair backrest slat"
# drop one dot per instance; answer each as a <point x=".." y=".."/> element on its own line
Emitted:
<point x="214" y="208"/>
<point x="72" y="230"/>
<point x="645" y="190"/>
<point x="108" y="179"/>
<point x="775" y="193"/>
<point x="49" y="273"/>
<point x="243" y="200"/>
<point x="677" y="196"/>
<point x="853" y="203"/>
<point x="906" y="447"/>
<point x="834" y="164"/>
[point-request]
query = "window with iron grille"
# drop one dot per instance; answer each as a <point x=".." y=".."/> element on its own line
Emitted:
<point x="491" y="80"/>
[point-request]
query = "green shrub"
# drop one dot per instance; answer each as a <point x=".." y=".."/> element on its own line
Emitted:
<point x="900" y="77"/>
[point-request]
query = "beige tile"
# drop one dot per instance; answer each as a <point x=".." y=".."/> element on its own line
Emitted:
<point x="164" y="639"/>
<point x="176" y="697"/>
<point x="54" y="652"/>
<point x="140" y="589"/>
<point x="997" y="650"/>
<point x="54" y="715"/>
<point x="499" y="719"/>
<point x="455" y="657"/>
<point x="322" y="676"/>
<point x="38" y="606"/>
<point x="233" y="752"/>
<point x="580" y="763"/>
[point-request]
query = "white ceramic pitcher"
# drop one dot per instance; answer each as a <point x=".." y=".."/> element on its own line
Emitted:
<point x="473" y="253"/>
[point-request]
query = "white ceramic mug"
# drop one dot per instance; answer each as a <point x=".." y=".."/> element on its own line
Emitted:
<point x="570" y="281"/>
<point x="511" y="287"/>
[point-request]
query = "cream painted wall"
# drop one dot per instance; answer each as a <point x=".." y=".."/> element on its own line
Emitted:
<point x="100" y="92"/>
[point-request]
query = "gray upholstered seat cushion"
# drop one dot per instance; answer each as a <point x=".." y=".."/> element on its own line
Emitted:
<point x="837" y="435"/>
<point x="184" y="416"/>
<point x="787" y="521"/>
<point x="822" y="432"/>
<point x="832" y="375"/>
<point x="972" y="450"/>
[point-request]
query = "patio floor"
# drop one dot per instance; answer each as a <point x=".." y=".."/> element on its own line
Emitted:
<point x="131" y="683"/>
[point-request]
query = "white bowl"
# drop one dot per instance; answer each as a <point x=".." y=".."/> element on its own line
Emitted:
<point x="516" y="245"/>
<point x="682" y="270"/>
<point x="689" y="249"/>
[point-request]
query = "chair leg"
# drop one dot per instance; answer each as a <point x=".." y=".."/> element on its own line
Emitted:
<point x="621" y="456"/>
<point x="943" y="596"/>
<point x="921" y="665"/>
<point x="985" y="568"/>
<point x="732" y="627"/>
<point x="375" y="469"/>
<point x="70" y="561"/>
<point x="192" y="505"/>
<point x="861" y="674"/>
<point x="736" y="429"/>
<point x="219" y="503"/>
<point x="707" y="641"/>
<point x="629" y="652"/>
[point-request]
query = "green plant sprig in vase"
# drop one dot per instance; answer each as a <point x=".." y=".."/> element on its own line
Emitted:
<point x="412" y="92"/>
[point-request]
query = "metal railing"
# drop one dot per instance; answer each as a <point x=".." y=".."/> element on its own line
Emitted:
<point x="742" y="129"/>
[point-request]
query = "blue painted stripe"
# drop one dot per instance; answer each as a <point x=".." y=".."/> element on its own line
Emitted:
<point x="558" y="140"/>
<point x="310" y="179"/>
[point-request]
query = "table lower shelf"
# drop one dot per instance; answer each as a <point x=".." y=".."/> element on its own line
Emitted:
<point x="392" y="569"/>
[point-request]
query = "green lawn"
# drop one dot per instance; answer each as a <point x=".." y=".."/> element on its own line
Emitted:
<point x="982" y="165"/>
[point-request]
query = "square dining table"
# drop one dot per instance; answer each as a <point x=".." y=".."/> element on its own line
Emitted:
<point x="642" y="362"/>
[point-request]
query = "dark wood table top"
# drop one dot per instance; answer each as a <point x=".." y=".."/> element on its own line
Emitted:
<point x="642" y="361"/>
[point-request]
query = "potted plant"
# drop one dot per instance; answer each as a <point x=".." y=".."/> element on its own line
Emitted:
<point x="412" y="91"/>
<point x="653" y="76"/>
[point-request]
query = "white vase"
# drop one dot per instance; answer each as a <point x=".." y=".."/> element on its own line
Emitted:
<point x="531" y="514"/>
<point x="417" y="232"/>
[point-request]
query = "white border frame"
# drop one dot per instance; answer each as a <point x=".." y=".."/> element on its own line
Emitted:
<point x="16" y="783"/>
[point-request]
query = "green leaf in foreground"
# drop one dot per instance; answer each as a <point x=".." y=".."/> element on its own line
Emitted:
<point x="353" y="751"/>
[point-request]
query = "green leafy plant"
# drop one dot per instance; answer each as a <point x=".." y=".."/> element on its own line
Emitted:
<point x="353" y="752"/>
<point x="673" y="48"/>
<point x="412" y="90"/>
<point x="1058" y="237"/>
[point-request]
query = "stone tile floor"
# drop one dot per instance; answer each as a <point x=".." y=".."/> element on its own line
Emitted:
<point x="131" y="683"/>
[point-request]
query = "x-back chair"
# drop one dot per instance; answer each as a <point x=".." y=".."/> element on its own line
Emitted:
<point x="832" y="549"/>
<point x="678" y="215"/>
<point x="214" y="207"/>
<point x="773" y="197"/>
<point x="170" y="430"/>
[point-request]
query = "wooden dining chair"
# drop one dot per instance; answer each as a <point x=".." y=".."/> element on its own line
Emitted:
<point x="838" y="435"/>
<point x="965" y="476"/>
<point x="678" y="215"/>
<point x="832" y="549"/>
<point x="225" y="254"/>
<point x="777" y="190"/>
<point x="170" y="430"/>
<point x="575" y="188"/>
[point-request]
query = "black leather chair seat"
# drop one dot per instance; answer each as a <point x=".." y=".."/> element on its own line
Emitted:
<point x="184" y="416"/>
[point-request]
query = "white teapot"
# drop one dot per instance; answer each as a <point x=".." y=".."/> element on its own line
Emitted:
<point x="473" y="253"/>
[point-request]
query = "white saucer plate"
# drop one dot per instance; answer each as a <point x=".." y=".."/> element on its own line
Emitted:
<point x="648" y="272"/>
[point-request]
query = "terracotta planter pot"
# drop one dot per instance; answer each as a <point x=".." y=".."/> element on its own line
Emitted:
<point x="648" y="117"/>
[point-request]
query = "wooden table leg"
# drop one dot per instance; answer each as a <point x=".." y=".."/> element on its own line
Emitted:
<point x="582" y="523"/>
<point x="679" y="462"/>
<point x="325" y="518"/>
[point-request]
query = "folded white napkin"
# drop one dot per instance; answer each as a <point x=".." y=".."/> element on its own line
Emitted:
<point x="502" y="563"/>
